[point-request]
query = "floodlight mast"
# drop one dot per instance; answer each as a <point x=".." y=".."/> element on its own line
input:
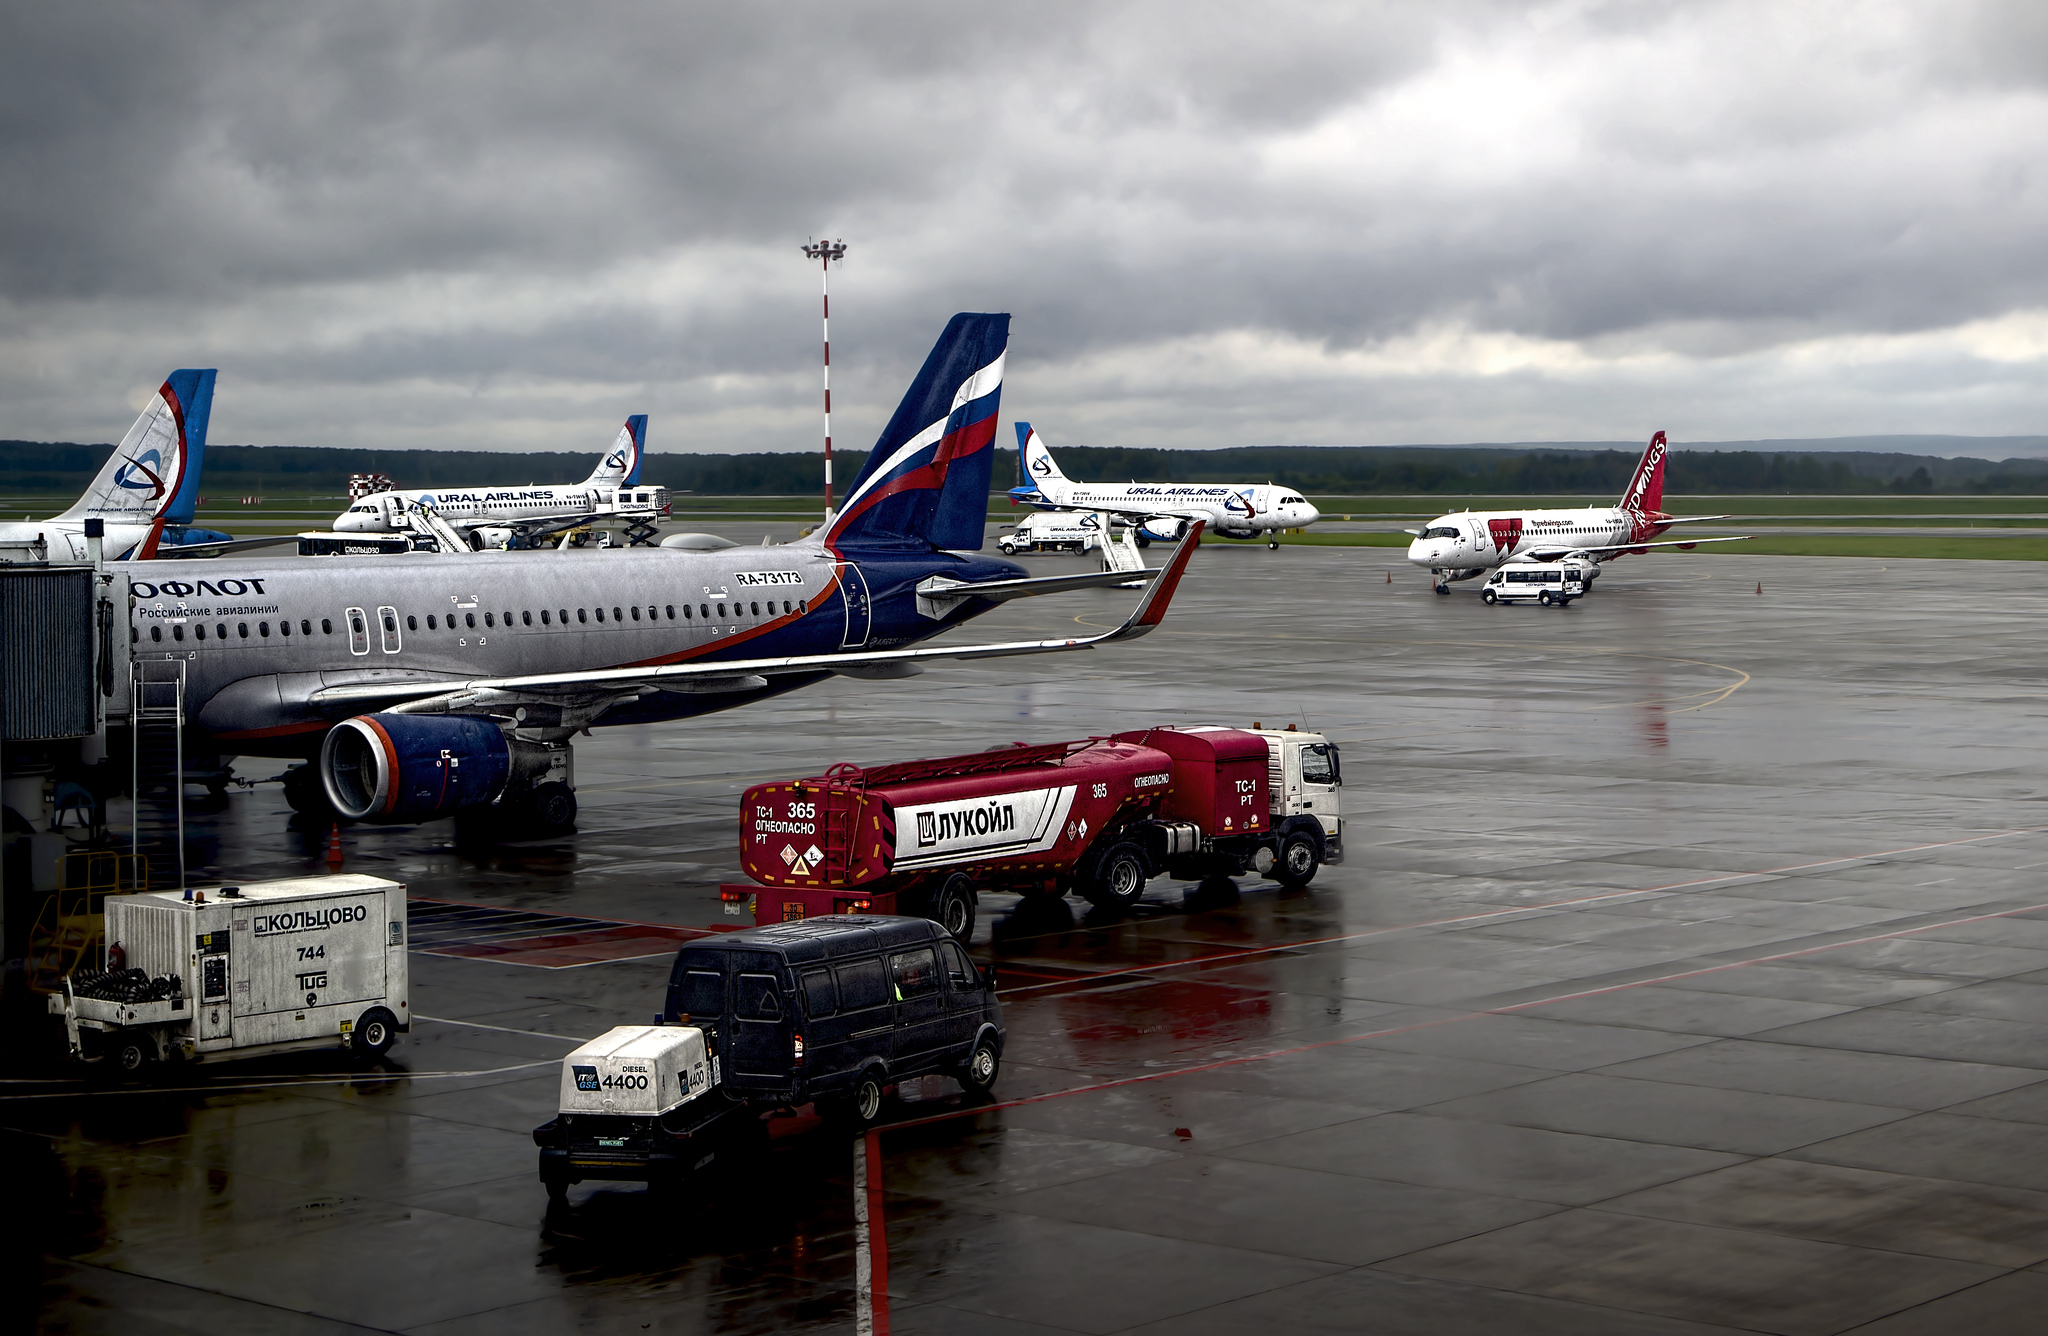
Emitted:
<point x="826" y="253"/>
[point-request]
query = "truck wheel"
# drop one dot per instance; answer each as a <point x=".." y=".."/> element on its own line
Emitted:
<point x="376" y="1031"/>
<point x="1118" y="878"/>
<point x="954" y="908"/>
<point x="550" y="810"/>
<point x="132" y="1054"/>
<point x="981" y="1068"/>
<point x="1300" y="855"/>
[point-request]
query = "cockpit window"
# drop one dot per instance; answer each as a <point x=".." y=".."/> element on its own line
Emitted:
<point x="1292" y="500"/>
<point x="1440" y="531"/>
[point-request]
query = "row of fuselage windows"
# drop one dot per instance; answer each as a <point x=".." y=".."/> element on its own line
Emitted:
<point x="618" y="617"/>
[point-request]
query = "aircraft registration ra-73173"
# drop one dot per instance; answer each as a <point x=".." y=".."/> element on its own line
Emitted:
<point x="1461" y="546"/>
<point x="1163" y="509"/>
<point x="422" y="687"/>
<point x="530" y="511"/>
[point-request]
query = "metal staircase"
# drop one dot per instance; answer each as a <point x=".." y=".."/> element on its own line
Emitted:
<point x="1119" y="547"/>
<point x="158" y="775"/>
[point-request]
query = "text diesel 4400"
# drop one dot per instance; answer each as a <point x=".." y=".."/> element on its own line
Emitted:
<point x="268" y="966"/>
<point x="1100" y="815"/>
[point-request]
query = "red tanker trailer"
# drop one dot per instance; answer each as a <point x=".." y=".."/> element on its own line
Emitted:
<point x="1101" y="816"/>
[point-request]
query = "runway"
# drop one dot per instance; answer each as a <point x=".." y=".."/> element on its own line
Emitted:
<point x="1685" y="973"/>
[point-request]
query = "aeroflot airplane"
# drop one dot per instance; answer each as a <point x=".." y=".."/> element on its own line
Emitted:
<point x="1164" y="508"/>
<point x="530" y="510"/>
<point x="150" y="481"/>
<point x="1460" y="546"/>
<point x="424" y="687"/>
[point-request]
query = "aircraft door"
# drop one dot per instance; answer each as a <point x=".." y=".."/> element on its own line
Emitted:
<point x="358" y="631"/>
<point x="387" y="626"/>
<point x="853" y="591"/>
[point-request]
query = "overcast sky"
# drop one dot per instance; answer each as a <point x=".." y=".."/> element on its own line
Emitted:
<point x="504" y="225"/>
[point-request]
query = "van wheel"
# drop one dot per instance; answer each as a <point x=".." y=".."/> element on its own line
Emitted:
<point x="864" y="1104"/>
<point x="1544" y="598"/>
<point x="1488" y="597"/>
<point x="954" y="909"/>
<point x="1301" y="855"/>
<point x="375" y="1033"/>
<point x="1118" y="878"/>
<point x="981" y="1068"/>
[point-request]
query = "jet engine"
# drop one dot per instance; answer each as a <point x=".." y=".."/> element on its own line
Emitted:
<point x="1163" y="529"/>
<point x="413" y="767"/>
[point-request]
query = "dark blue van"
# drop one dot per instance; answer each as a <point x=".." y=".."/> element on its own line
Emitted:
<point x="835" y="1010"/>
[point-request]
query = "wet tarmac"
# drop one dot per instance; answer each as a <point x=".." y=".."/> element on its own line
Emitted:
<point x="1687" y="972"/>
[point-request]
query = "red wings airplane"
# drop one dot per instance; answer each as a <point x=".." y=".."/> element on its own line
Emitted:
<point x="1460" y="546"/>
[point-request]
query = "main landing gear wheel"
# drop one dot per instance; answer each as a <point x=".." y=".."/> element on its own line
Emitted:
<point x="1118" y="878"/>
<point x="953" y="908"/>
<point x="550" y="810"/>
<point x="1487" y="597"/>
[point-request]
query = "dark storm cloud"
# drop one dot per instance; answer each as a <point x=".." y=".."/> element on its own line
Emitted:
<point x="479" y="210"/>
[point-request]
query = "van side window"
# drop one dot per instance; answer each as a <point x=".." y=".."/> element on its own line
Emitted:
<point x="862" y="984"/>
<point x="820" y="997"/>
<point x="916" y="973"/>
<point x="959" y="970"/>
<point x="757" y="999"/>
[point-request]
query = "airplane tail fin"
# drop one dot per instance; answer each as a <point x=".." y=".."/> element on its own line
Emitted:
<point x="925" y="484"/>
<point x="1646" y="489"/>
<point x="152" y="478"/>
<point x="1039" y="466"/>
<point x="620" y="465"/>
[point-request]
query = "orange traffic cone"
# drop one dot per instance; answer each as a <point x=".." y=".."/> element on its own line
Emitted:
<point x="1759" y="586"/>
<point x="1390" y="577"/>
<point x="334" y="846"/>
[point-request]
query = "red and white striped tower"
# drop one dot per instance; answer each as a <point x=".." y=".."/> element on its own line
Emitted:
<point x="825" y="252"/>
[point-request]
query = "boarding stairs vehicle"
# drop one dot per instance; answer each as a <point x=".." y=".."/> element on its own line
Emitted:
<point x="1101" y="816"/>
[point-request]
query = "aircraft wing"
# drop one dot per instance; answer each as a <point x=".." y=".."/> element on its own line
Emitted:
<point x="1692" y="519"/>
<point x="997" y="591"/>
<point x="221" y="549"/>
<point x="751" y="674"/>
<point x="1552" y="553"/>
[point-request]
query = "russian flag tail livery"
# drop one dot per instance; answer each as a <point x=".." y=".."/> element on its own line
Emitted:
<point x="925" y="484"/>
<point x="153" y="474"/>
<point x="620" y="465"/>
<point x="1645" y="494"/>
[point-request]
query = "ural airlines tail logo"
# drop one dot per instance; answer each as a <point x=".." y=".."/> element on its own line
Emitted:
<point x="1041" y="466"/>
<point x="617" y="460"/>
<point x="1240" y="503"/>
<point x="139" y="474"/>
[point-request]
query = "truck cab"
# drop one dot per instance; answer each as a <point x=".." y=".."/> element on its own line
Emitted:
<point x="1304" y="778"/>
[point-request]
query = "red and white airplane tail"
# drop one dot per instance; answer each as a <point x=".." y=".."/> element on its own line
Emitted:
<point x="1645" y="494"/>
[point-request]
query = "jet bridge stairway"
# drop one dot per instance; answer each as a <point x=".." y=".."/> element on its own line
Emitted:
<point x="157" y="778"/>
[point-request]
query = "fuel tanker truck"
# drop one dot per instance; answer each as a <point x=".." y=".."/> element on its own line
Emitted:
<point x="1099" y="816"/>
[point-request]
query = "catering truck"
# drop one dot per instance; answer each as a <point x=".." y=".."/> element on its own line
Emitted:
<point x="1101" y="816"/>
<point x="264" y="967"/>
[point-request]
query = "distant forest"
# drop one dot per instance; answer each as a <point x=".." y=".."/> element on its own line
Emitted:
<point x="1564" y="468"/>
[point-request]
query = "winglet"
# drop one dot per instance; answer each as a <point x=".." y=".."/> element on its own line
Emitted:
<point x="1151" y="609"/>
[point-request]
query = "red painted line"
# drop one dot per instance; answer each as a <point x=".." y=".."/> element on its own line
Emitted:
<point x="1467" y="1016"/>
<point x="529" y="909"/>
<point x="1231" y="957"/>
<point x="556" y="950"/>
<point x="878" y="1238"/>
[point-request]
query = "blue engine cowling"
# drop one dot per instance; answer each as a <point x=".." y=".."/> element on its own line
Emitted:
<point x="413" y="767"/>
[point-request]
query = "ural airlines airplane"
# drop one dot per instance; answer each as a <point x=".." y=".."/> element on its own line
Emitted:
<point x="422" y="687"/>
<point x="1460" y="546"/>
<point x="151" y="480"/>
<point x="1163" y="508"/>
<point x="531" y="510"/>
